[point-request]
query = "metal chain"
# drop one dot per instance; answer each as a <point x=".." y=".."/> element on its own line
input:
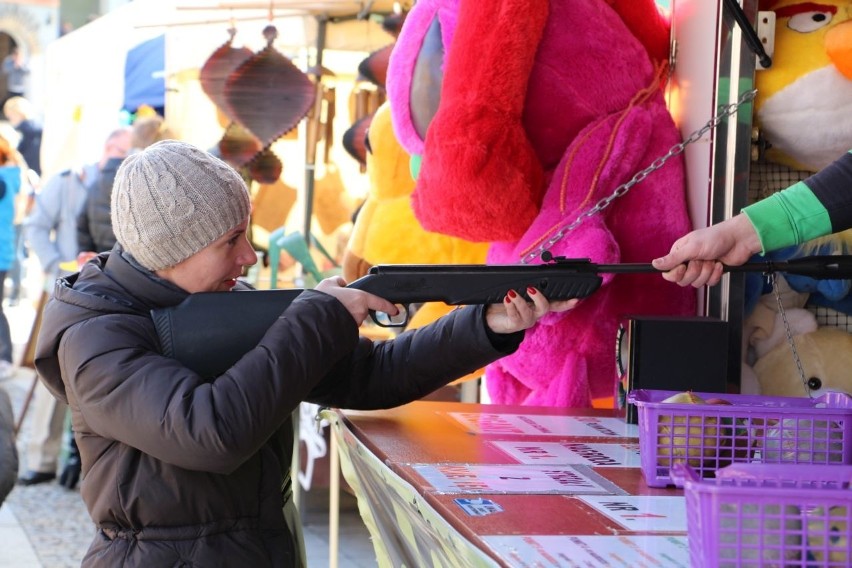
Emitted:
<point x="724" y="112"/>
<point x="789" y="331"/>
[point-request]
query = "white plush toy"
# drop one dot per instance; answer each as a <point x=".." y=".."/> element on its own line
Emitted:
<point x="825" y="354"/>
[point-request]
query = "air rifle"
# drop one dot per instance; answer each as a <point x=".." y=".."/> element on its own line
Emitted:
<point x="558" y="278"/>
<point x="210" y="331"/>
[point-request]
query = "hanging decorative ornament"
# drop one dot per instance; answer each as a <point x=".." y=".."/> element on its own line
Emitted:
<point x="238" y="146"/>
<point x="392" y="23"/>
<point x="265" y="167"/>
<point x="218" y="68"/>
<point x="374" y="68"/>
<point x="320" y="124"/>
<point x="330" y="105"/>
<point x="355" y="140"/>
<point x="272" y="204"/>
<point x="267" y="94"/>
<point x="332" y="205"/>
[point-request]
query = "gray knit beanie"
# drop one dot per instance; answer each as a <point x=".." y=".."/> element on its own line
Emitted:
<point x="171" y="200"/>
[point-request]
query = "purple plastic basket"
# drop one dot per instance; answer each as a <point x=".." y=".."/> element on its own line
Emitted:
<point x="756" y="515"/>
<point x="752" y="428"/>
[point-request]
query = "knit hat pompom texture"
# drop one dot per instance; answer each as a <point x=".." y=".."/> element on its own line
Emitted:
<point x="172" y="199"/>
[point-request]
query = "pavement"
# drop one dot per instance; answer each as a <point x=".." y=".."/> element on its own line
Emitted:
<point x="47" y="525"/>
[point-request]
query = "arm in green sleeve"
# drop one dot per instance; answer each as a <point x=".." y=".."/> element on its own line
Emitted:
<point x="789" y="217"/>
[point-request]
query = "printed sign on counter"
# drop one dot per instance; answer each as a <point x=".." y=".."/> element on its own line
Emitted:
<point x="475" y="478"/>
<point x="576" y="453"/>
<point x="642" y="513"/>
<point x="541" y="425"/>
<point x="478" y="507"/>
<point x="575" y="551"/>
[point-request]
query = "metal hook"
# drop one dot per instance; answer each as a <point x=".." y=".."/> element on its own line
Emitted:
<point x="270" y="32"/>
<point x="749" y="34"/>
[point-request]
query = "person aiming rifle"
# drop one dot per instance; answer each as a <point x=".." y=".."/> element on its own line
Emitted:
<point x="184" y="469"/>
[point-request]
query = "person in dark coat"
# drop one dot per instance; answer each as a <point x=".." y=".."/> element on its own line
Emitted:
<point x="94" y="226"/>
<point x="184" y="470"/>
<point x="8" y="449"/>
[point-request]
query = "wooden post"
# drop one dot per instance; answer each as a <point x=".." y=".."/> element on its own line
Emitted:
<point x="28" y="358"/>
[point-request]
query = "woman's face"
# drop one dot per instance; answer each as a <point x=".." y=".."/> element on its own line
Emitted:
<point x="216" y="267"/>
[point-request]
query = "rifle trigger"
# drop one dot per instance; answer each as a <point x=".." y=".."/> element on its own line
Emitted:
<point x="386" y="320"/>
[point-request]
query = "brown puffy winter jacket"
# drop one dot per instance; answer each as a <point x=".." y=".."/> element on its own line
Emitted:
<point x="182" y="471"/>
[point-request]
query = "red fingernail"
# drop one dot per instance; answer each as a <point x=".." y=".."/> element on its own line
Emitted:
<point x="507" y="299"/>
<point x="512" y="294"/>
<point x="531" y="291"/>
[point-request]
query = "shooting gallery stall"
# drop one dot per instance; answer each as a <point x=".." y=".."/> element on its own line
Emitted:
<point x="528" y="484"/>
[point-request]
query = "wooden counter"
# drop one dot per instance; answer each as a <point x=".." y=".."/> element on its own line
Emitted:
<point x="454" y="484"/>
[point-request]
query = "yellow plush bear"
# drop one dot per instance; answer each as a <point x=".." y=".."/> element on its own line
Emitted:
<point x="825" y="354"/>
<point x="386" y="231"/>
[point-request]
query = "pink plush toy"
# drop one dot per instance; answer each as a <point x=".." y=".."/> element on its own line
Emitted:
<point x="545" y="108"/>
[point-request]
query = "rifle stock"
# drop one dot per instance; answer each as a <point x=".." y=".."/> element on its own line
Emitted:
<point x="210" y="331"/>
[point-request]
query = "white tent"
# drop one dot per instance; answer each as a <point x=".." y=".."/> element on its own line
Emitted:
<point x="85" y="86"/>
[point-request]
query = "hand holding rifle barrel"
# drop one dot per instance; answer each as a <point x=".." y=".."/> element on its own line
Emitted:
<point x="559" y="279"/>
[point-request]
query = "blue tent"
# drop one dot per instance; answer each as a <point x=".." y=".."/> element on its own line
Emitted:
<point x="144" y="75"/>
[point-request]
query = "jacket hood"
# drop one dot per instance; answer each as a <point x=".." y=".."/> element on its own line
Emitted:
<point x="100" y="288"/>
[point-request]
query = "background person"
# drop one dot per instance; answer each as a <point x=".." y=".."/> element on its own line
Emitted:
<point x="16" y="70"/>
<point x="184" y="469"/>
<point x="21" y="115"/>
<point x="94" y="226"/>
<point x="12" y="168"/>
<point x="8" y="449"/>
<point x="51" y="233"/>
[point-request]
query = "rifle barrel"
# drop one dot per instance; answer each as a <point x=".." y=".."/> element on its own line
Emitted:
<point x="819" y="267"/>
<point x="626" y="267"/>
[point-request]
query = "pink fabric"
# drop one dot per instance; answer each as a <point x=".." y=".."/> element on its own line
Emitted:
<point x="569" y="359"/>
<point x="539" y="120"/>
<point x="403" y="58"/>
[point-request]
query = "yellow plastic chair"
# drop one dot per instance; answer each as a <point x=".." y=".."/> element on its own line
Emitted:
<point x="295" y="245"/>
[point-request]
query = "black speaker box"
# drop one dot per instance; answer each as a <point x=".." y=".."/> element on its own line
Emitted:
<point x="671" y="353"/>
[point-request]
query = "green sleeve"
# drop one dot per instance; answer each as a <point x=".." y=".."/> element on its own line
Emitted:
<point x="789" y="217"/>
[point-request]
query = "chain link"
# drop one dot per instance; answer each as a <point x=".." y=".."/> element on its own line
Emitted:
<point x="789" y="331"/>
<point x="724" y="112"/>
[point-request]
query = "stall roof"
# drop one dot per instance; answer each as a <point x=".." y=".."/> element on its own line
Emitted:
<point x="328" y="8"/>
<point x="295" y="19"/>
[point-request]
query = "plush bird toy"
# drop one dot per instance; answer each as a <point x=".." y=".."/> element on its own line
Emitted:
<point x="804" y="101"/>
<point x="803" y="109"/>
<point x="528" y="114"/>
